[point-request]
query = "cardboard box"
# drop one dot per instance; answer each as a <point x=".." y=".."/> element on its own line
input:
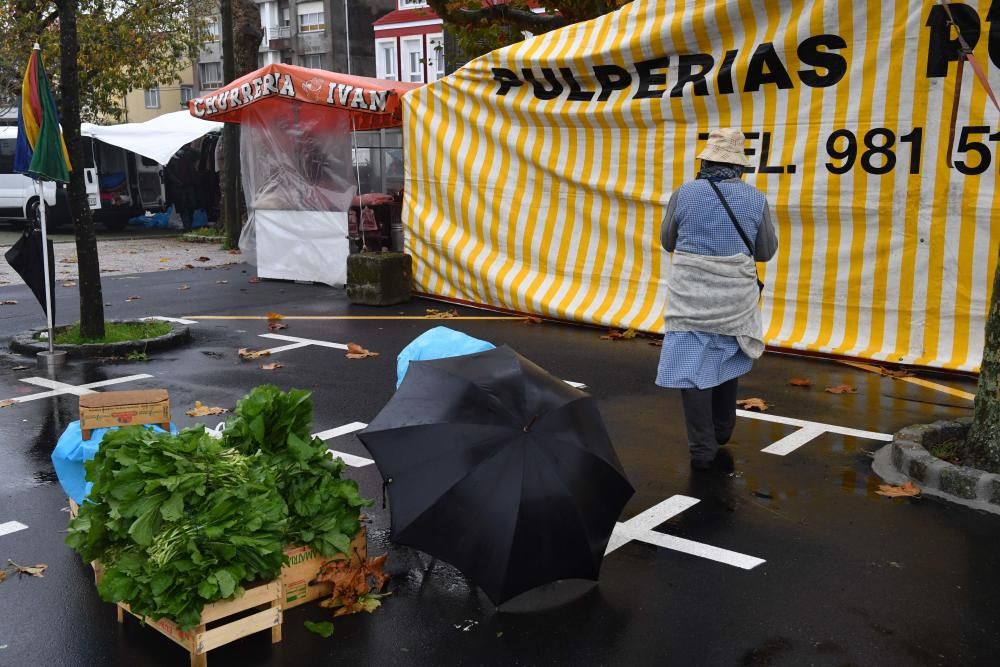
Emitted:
<point x="298" y="578"/>
<point x="124" y="408"/>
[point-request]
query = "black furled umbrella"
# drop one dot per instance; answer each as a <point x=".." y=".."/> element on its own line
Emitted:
<point x="25" y="257"/>
<point x="499" y="468"/>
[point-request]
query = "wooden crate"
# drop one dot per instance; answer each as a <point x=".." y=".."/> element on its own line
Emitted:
<point x="202" y="639"/>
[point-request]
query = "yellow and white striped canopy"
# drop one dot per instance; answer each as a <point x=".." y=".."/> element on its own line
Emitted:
<point x="537" y="175"/>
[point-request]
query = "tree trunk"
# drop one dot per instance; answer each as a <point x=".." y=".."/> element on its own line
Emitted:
<point x="983" y="440"/>
<point x="88" y="263"/>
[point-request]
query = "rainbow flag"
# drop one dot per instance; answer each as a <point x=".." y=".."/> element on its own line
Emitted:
<point x="41" y="152"/>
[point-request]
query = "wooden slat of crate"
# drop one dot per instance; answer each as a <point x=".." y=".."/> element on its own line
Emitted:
<point x="253" y="597"/>
<point x="224" y="634"/>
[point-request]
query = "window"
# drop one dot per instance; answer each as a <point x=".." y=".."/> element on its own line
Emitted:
<point x="211" y="75"/>
<point x="187" y="94"/>
<point x="385" y="63"/>
<point x="153" y="98"/>
<point x="286" y="17"/>
<point x="7" y="149"/>
<point x="410" y="4"/>
<point x="311" y="17"/>
<point x="413" y="60"/>
<point x="313" y="60"/>
<point x="435" y="57"/>
<point x="212" y="30"/>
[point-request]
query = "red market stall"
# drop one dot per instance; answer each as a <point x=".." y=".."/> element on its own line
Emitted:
<point x="296" y="157"/>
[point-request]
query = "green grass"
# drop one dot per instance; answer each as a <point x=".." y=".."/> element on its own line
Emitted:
<point x="114" y="332"/>
<point x="209" y="231"/>
<point x="952" y="451"/>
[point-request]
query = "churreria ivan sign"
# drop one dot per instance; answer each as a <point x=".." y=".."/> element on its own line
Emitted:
<point x="577" y="138"/>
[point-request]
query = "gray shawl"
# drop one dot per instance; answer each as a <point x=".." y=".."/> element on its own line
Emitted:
<point x="715" y="295"/>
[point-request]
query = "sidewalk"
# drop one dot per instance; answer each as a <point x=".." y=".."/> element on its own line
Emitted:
<point x="131" y="256"/>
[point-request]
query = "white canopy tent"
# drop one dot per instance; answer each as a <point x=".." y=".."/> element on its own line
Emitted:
<point x="157" y="139"/>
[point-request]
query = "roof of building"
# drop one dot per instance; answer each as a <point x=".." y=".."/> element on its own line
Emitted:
<point x="407" y="15"/>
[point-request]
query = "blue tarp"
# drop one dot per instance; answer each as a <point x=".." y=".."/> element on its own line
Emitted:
<point x="72" y="451"/>
<point x="438" y="343"/>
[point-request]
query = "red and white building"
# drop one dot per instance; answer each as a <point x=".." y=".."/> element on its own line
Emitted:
<point x="409" y="43"/>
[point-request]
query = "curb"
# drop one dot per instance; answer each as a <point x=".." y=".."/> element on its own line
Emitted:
<point x="178" y="335"/>
<point x="198" y="238"/>
<point x="910" y="457"/>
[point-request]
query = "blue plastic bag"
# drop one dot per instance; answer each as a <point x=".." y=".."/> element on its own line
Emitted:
<point x="199" y="218"/>
<point x="153" y="221"/>
<point x="438" y="343"/>
<point x="72" y="451"/>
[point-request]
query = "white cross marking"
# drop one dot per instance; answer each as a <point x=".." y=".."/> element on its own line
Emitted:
<point x="178" y="320"/>
<point x="349" y="459"/>
<point x="11" y="527"/>
<point x="640" y="528"/>
<point x="807" y="432"/>
<point x="60" y="388"/>
<point x="299" y="342"/>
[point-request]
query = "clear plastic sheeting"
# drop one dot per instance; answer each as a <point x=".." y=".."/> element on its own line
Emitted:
<point x="302" y="245"/>
<point x="297" y="160"/>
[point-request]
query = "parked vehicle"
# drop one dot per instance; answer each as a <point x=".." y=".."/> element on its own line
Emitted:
<point x="127" y="184"/>
<point x="19" y="200"/>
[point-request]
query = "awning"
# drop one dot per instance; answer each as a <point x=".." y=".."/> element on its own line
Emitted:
<point x="372" y="104"/>
<point x="158" y="139"/>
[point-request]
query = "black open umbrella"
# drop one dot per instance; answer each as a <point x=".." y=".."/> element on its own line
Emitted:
<point x="499" y="468"/>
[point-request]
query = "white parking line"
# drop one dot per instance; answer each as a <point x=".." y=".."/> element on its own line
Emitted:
<point x="11" y="527"/>
<point x="640" y="528"/>
<point x="807" y="432"/>
<point x="349" y="459"/>
<point x="160" y="318"/>
<point x="299" y="342"/>
<point x="60" y="388"/>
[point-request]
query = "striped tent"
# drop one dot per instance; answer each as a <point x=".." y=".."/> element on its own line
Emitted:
<point x="537" y="175"/>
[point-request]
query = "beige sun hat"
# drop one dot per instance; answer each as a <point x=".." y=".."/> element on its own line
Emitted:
<point x="725" y="145"/>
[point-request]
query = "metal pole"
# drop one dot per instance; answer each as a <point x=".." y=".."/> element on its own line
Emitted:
<point x="347" y="35"/>
<point x="45" y="263"/>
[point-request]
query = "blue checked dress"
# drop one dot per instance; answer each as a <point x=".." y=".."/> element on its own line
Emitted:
<point x="696" y="222"/>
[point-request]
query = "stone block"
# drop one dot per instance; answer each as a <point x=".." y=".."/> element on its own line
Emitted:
<point x="926" y="469"/>
<point x="960" y="481"/>
<point x="904" y="451"/>
<point x="950" y="430"/>
<point x="917" y="433"/>
<point x="994" y="490"/>
<point x="379" y="278"/>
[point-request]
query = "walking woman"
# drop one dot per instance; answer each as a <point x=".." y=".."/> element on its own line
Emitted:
<point x="716" y="227"/>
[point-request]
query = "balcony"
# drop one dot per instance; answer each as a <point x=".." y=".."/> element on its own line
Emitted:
<point x="278" y="38"/>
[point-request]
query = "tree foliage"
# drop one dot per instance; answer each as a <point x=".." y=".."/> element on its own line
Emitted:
<point x="481" y="26"/>
<point x="123" y="45"/>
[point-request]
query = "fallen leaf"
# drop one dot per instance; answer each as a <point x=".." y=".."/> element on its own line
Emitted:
<point x="800" y="382"/>
<point x="133" y="298"/>
<point x="629" y="334"/>
<point x="908" y="489"/>
<point x="753" y="404"/>
<point x="254" y="279"/>
<point x="842" y="389"/>
<point x="890" y="373"/>
<point x="183" y="287"/>
<point x="164" y="259"/>
<point x="200" y="410"/>
<point x="276" y="326"/>
<point x="656" y="343"/>
<point x="532" y="320"/>
<point x="324" y="628"/>
<point x="271" y="367"/>
<point x="8" y="302"/>
<point x="247" y="353"/>
<point x="221" y="282"/>
<point x="3" y="575"/>
<point x="356" y="583"/>
<point x="274" y="317"/>
<point x="435" y="314"/>
<point x="235" y="251"/>
<point x="33" y="570"/>
<point x="355" y="351"/>
<point x="69" y="284"/>
<point x="612" y="335"/>
<point x="6" y="403"/>
<point x="203" y="259"/>
<point x="189" y="266"/>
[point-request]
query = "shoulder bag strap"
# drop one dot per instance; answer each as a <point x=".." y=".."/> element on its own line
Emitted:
<point x="732" y="217"/>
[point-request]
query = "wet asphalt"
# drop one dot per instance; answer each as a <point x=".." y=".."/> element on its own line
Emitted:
<point x="850" y="578"/>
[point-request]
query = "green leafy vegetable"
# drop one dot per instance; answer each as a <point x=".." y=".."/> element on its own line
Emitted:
<point x="324" y="628"/>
